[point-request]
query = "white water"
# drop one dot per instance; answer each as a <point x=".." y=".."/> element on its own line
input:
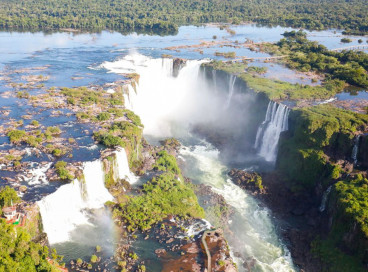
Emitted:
<point x="164" y="104"/>
<point x="254" y="234"/>
<point x="66" y="209"/>
<point x="268" y="134"/>
<point x="354" y="154"/>
<point x="123" y="166"/>
<point x="231" y="90"/>
<point x="162" y="98"/>
<point x="322" y="207"/>
<point x="37" y="175"/>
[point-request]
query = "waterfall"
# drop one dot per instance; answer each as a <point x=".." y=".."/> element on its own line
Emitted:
<point x="65" y="209"/>
<point x="354" y="154"/>
<point x="123" y="166"/>
<point x="268" y="134"/>
<point x="96" y="192"/>
<point x="231" y="90"/>
<point x="214" y="79"/>
<point x="262" y="126"/>
<point x="324" y="199"/>
<point x="160" y="96"/>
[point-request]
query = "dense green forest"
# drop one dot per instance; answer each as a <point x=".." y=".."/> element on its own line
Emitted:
<point x="17" y="250"/>
<point x="349" y="65"/>
<point x="165" y="15"/>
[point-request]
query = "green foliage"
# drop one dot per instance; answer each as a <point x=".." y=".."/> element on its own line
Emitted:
<point x="62" y="172"/>
<point x="162" y="16"/>
<point x="228" y="55"/>
<point x="108" y="139"/>
<point x="82" y="96"/>
<point x="103" y="116"/>
<point x="16" y="136"/>
<point x="35" y="123"/>
<point x="52" y="131"/>
<point x="316" y="130"/>
<point x="162" y="196"/>
<point x="94" y="259"/>
<point x="346" y="40"/>
<point x="350" y="66"/>
<point x="19" y="253"/>
<point x="276" y="89"/>
<point x="166" y="162"/>
<point x="257" y="70"/>
<point x="353" y="201"/>
<point x="136" y="120"/>
<point x="7" y="196"/>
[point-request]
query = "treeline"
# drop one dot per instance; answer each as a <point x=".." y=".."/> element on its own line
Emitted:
<point x="165" y="15"/>
<point x="350" y="66"/>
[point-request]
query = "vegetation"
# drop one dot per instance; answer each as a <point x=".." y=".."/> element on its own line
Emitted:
<point x="166" y="162"/>
<point x="349" y="205"/>
<point x="18" y="252"/>
<point x="317" y="132"/>
<point x="353" y="201"/>
<point x="280" y="90"/>
<point x="164" y="16"/>
<point x="162" y="196"/>
<point x="124" y="134"/>
<point x="8" y="196"/>
<point x="350" y="66"/>
<point x="16" y="136"/>
<point x="62" y="171"/>
<point x="228" y="55"/>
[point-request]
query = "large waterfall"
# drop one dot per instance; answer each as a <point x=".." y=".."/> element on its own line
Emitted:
<point x="65" y="209"/>
<point x="161" y="97"/>
<point x="167" y="105"/>
<point x="123" y="166"/>
<point x="268" y="134"/>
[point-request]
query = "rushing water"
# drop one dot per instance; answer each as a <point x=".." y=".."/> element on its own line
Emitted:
<point x="72" y="215"/>
<point x="168" y="106"/>
<point x="123" y="166"/>
<point x="268" y="134"/>
<point x="354" y="154"/>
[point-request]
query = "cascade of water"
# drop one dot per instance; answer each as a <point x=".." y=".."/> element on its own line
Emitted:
<point x="322" y="207"/>
<point x="276" y="121"/>
<point x="123" y="166"/>
<point x="214" y="79"/>
<point x="262" y="126"/>
<point x="167" y="66"/>
<point x="354" y="154"/>
<point x="160" y="97"/>
<point x="64" y="210"/>
<point x="231" y="90"/>
<point x="96" y="192"/>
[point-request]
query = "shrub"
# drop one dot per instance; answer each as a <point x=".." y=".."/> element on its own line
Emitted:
<point x="94" y="259"/>
<point x="16" y="136"/>
<point x="103" y="116"/>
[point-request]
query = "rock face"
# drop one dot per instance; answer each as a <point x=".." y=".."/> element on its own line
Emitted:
<point x="362" y="152"/>
<point x="210" y="245"/>
<point x="177" y="65"/>
<point x="249" y="181"/>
